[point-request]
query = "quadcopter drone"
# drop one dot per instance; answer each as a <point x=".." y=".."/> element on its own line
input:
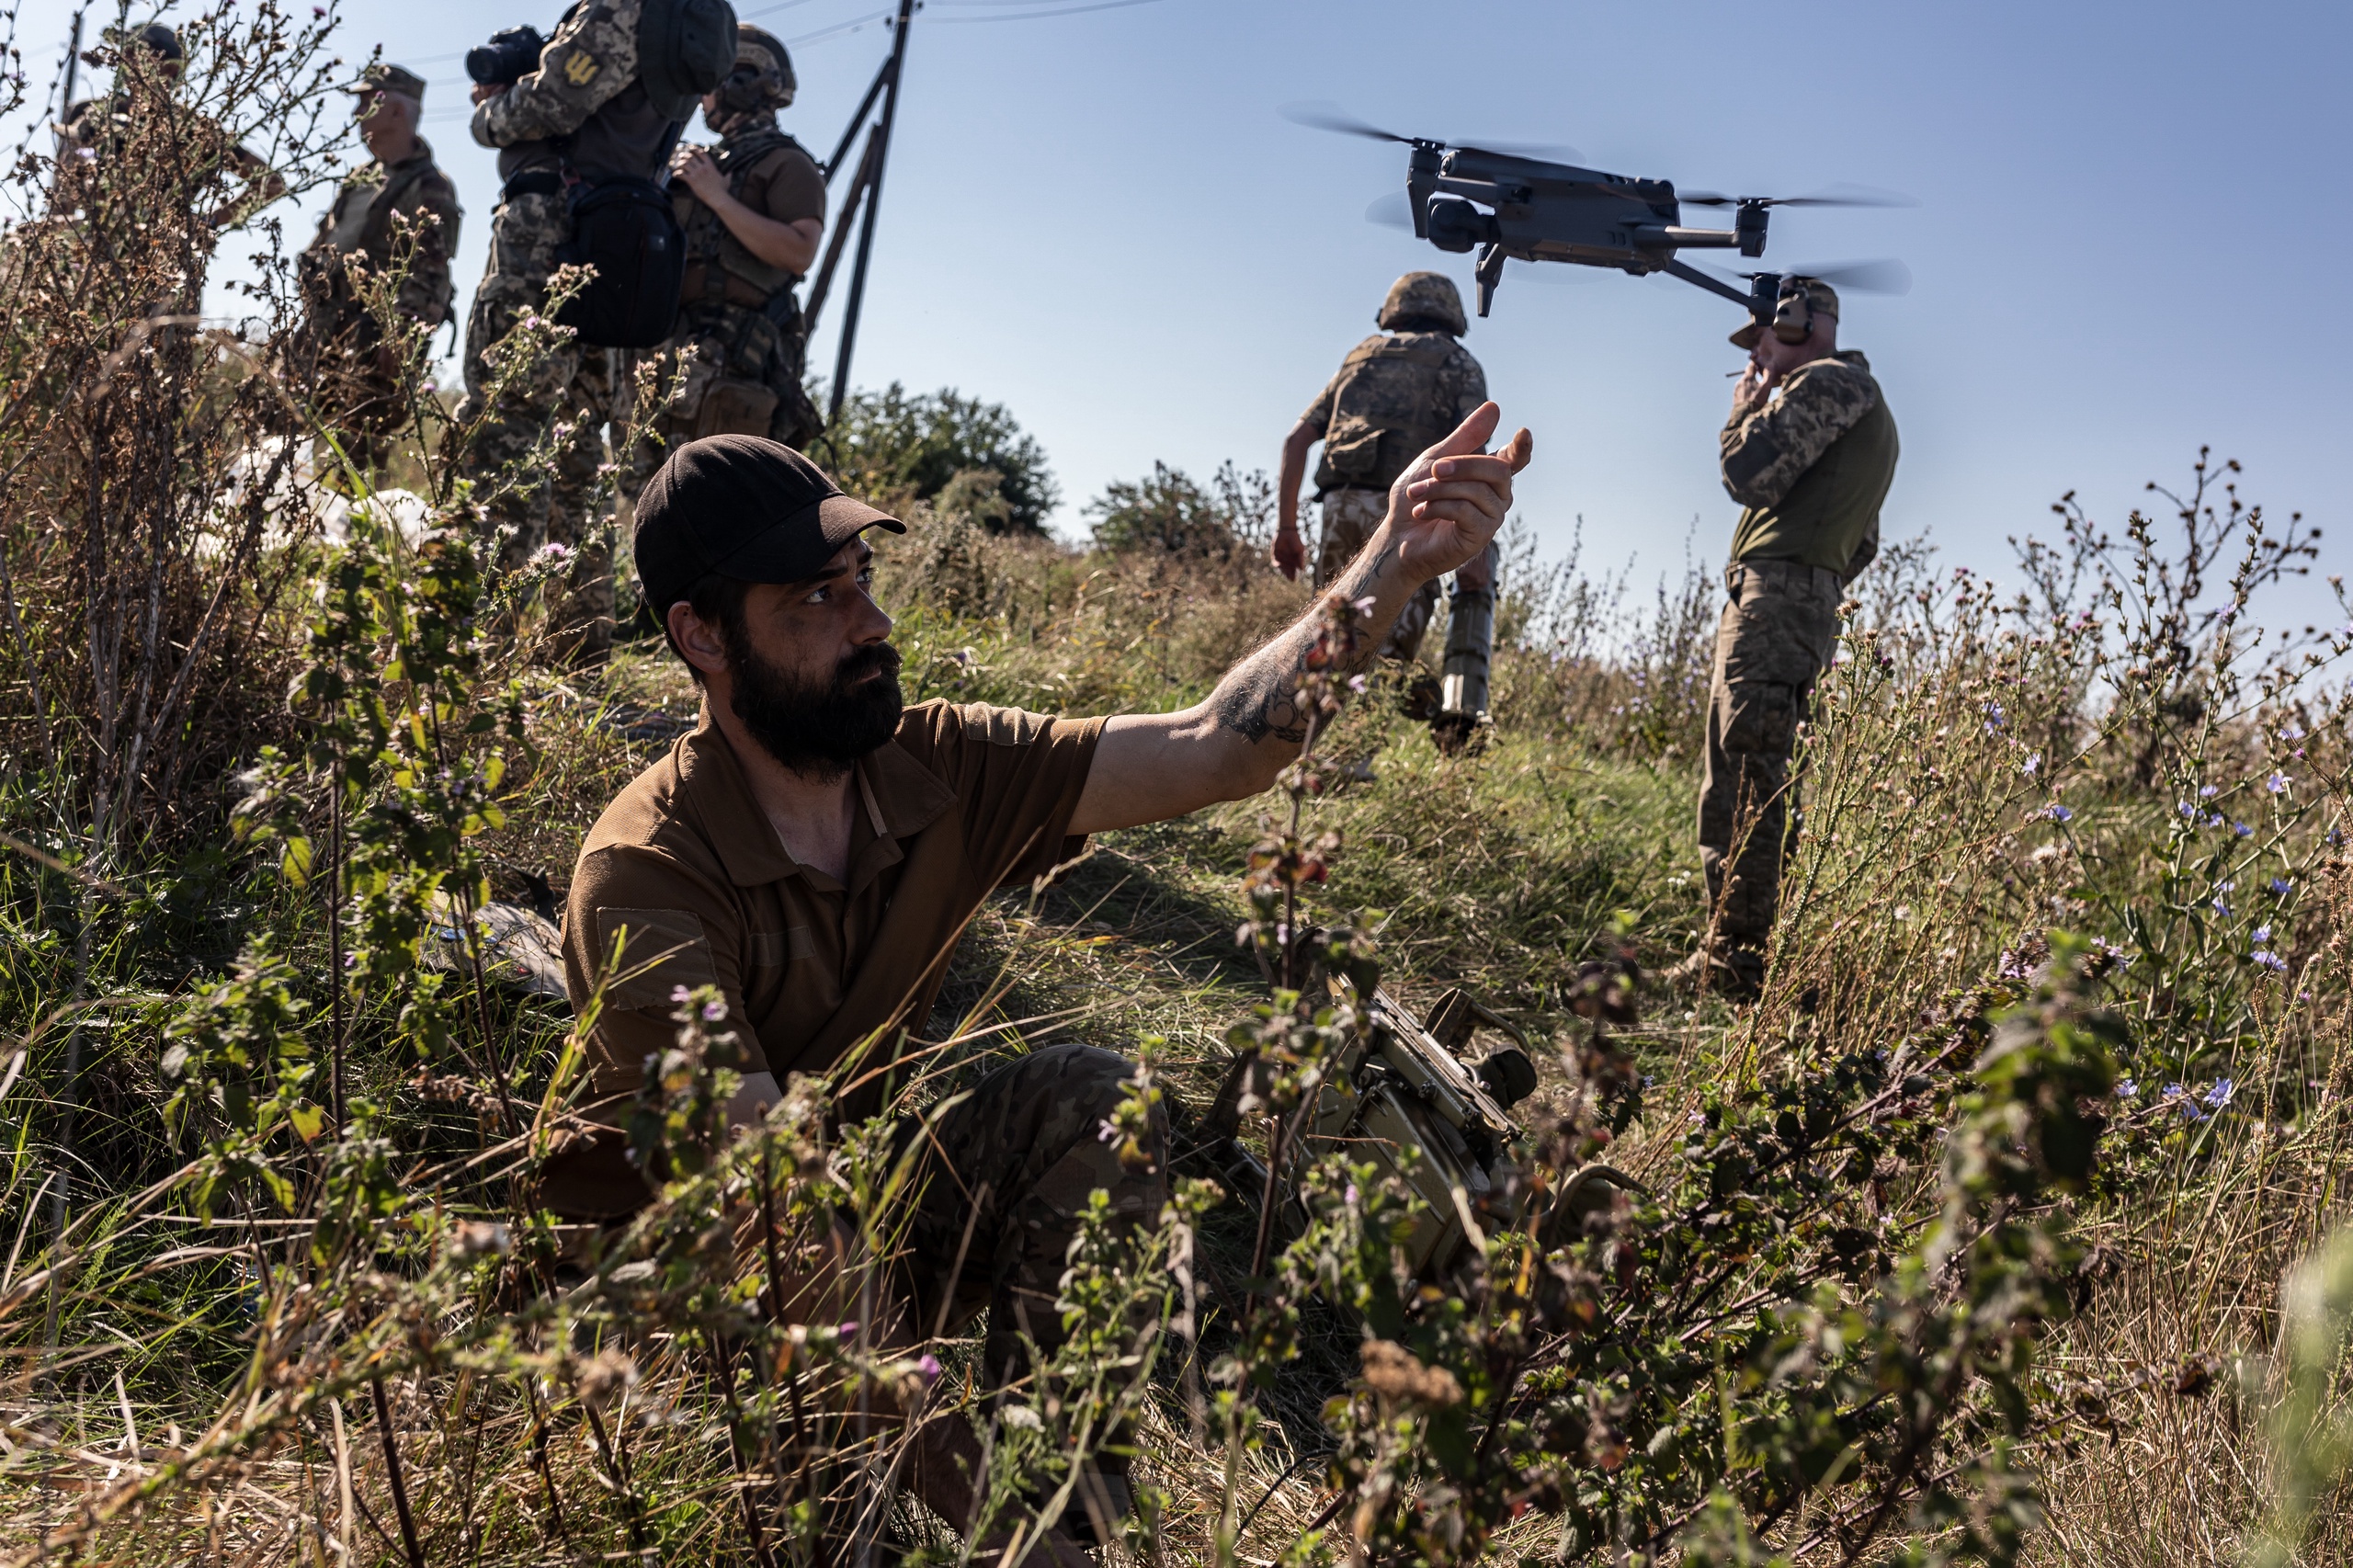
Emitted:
<point x="1516" y="205"/>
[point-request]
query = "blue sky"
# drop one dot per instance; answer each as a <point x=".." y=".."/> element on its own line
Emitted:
<point x="2129" y="224"/>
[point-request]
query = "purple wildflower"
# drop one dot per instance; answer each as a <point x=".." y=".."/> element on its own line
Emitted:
<point x="2207" y="792"/>
<point x="2127" y="1089"/>
<point x="2271" y="961"/>
<point x="2033" y="764"/>
<point x="2242" y="829"/>
<point x="2262" y="935"/>
<point x="929" y="1367"/>
<point x="713" y="1011"/>
<point x="2220" y="1095"/>
<point x="2277" y="783"/>
<point x="680" y="993"/>
<point x="2279" y="886"/>
<point x="2058" y="813"/>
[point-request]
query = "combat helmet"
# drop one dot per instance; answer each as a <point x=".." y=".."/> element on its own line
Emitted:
<point x="763" y="75"/>
<point x="1423" y="302"/>
<point x="160" y="41"/>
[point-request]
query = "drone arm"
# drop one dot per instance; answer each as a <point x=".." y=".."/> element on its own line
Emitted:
<point x="1690" y="274"/>
<point x="1487" y="274"/>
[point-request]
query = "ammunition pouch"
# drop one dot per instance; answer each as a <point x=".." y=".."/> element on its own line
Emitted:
<point x="731" y="406"/>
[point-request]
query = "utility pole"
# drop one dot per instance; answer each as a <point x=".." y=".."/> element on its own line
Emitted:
<point x="876" y="158"/>
<point x="72" y="59"/>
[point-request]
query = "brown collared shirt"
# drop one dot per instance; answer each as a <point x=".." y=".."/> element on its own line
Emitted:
<point x="685" y="878"/>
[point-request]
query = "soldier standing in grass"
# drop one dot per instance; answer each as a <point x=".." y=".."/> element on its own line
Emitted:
<point x="583" y="117"/>
<point x="1809" y="453"/>
<point x="752" y="211"/>
<point x="1395" y="393"/>
<point x="357" y="370"/>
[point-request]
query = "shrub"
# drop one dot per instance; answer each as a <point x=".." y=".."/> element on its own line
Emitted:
<point x="896" y="449"/>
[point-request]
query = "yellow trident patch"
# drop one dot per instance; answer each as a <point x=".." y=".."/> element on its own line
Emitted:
<point x="580" y="69"/>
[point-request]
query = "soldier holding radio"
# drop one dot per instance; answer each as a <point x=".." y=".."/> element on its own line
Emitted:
<point x="1808" y="452"/>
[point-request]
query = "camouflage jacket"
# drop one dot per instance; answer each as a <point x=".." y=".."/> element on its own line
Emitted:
<point x="1395" y="393"/>
<point x="360" y="223"/>
<point x="1810" y="466"/>
<point x="584" y="110"/>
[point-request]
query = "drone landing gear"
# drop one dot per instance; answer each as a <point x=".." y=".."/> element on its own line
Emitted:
<point x="1488" y="273"/>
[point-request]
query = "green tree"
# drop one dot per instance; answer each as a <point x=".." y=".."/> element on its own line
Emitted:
<point x="895" y="448"/>
<point x="1175" y="512"/>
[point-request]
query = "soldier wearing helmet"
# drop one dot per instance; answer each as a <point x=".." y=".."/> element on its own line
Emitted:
<point x="96" y="129"/>
<point x="1396" y="394"/>
<point x="753" y="210"/>
<point x="1809" y="453"/>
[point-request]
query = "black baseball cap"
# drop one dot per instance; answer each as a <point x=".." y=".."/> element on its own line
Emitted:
<point x="742" y="506"/>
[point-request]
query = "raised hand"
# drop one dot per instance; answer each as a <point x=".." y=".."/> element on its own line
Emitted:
<point x="1444" y="509"/>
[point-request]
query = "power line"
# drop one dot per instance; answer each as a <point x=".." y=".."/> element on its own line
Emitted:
<point x="850" y="26"/>
<point x="1028" y="16"/>
<point x="769" y="10"/>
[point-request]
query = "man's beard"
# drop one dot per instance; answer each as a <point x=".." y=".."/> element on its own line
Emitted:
<point x="818" y="729"/>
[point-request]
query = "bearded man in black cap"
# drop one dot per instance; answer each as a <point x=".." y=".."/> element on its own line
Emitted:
<point x="814" y="848"/>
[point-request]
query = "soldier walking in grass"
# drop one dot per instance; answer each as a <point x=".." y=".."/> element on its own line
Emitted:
<point x="1395" y="393"/>
<point x="354" y="369"/>
<point x="1809" y="453"/>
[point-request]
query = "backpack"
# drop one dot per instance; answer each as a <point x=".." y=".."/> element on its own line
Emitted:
<point x="625" y="230"/>
<point x="685" y="47"/>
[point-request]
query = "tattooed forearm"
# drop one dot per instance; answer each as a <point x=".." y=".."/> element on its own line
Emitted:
<point x="1260" y="698"/>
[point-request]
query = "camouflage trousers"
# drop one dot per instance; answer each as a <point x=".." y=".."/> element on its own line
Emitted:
<point x="1003" y="1180"/>
<point x="1349" y="518"/>
<point x="564" y="400"/>
<point x="1776" y="638"/>
<point x="338" y="356"/>
<point x="729" y="372"/>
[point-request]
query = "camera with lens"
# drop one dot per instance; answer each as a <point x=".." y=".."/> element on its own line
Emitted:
<point x="511" y="54"/>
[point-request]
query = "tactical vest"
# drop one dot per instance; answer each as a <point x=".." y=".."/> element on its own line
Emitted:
<point x="1833" y="508"/>
<point x="366" y="232"/>
<point x="1385" y="411"/>
<point x="713" y="247"/>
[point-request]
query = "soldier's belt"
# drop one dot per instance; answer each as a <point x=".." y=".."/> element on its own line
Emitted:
<point x="532" y="182"/>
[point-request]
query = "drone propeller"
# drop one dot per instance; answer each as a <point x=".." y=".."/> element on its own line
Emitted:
<point x="1886" y="275"/>
<point x="1332" y="117"/>
<point x="1834" y="196"/>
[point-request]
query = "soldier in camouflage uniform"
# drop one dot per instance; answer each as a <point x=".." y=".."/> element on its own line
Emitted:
<point x="1808" y="452"/>
<point x="754" y="212"/>
<point x="355" y="373"/>
<point x="94" y="130"/>
<point x="1395" y="395"/>
<point x="583" y="116"/>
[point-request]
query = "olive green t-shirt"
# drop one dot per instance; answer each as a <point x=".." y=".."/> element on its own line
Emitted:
<point x="686" y="876"/>
<point x="1810" y="467"/>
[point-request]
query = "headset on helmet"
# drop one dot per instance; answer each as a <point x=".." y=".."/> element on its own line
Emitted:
<point x="763" y="75"/>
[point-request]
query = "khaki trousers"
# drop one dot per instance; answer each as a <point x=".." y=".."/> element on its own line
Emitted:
<point x="1776" y="638"/>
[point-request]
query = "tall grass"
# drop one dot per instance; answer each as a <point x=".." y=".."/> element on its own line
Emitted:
<point x="1967" y="1243"/>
